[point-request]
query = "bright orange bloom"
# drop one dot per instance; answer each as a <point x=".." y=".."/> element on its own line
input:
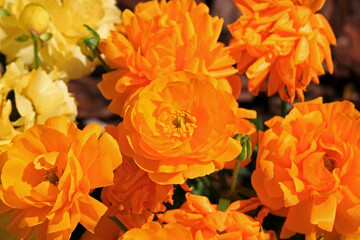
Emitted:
<point x="106" y="229"/>
<point x="48" y="172"/>
<point x="160" y="38"/>
<point x="308" y="169"/>
<point x="206" y="222"/>
<point x="153" y="231"/>
<point x="180" y="126"/>
<point x="284" y="42"/>
<point x="133" y="191"/>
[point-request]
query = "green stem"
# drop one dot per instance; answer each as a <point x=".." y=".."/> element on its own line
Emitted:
<point x="234" y="176"/>
<point x="118" y="223"/>
<point x="36" y="49"/>
<point x="283" y="108"/>
<point x="106" y="67"/>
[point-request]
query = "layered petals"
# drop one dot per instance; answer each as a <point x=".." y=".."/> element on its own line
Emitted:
<point x="180" y="126"/>
<point x="28" y="98"/>
<point x="47" y="174"/>
<point x="160" y="38"/>
<point x="205" y="221"/>
<point x="281" y="45"/>
<point x="307" y="168"/>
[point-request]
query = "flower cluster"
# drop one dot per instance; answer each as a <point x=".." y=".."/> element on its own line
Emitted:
<point x="176" y="166"/>
<point x="64" y="20"/>
<point x="160" y="38"/>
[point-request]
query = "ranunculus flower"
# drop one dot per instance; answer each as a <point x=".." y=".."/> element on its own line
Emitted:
<point x="28" y="98"/>
<point x="180" y="126"/>
<point x="133" y="191"/>
<point x="47" y="174"/>
<point x="308" y="169"/>
<point x="207" y="222"/>
<point x="67" y="19"/>
<point x="281" y="45"/>
<point x="159" y="38"/>
<point x="154" y="230"/>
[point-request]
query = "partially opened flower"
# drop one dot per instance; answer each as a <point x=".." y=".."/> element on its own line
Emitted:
<point x="47" y="174"/>
<point x="160" y="38"/>
<point x="281" y="45"/>
<point x="207" y="222"/>
<point x="154" y="230"/>
<point x="180" y="126"/>
<point x="65" y="21"/>
<point x="133" y="191"/>
<point x="308" y="169"/>
<point x="28" y="98"/>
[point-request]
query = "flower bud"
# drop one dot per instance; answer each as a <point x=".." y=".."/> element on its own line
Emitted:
<point x="35" y="17"/>
<point x="246" y="146"/>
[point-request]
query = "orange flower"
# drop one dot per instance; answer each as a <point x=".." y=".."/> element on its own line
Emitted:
<point x="160" y="38"/>
<point x="206" y="222"/>
<point x="153" y="230"/>
<point x="282" y="41"/>
<point x="48" y="173"/>
<point x="308" y="169"/>
<point x="180" y="126"/>
<point x="134" y="191"/>
<point x="106" y="229"/>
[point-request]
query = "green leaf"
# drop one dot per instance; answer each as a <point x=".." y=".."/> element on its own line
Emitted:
<point x="93" y="40"/>
<point x="4" y="12"/>
<point x="46" y="36"/>
<point x="224" y="203"/>
<point x="22" y="38"/>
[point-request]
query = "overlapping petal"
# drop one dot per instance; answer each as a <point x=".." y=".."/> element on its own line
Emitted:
<point x="307" y="169"/>
<point x="281" y="45"/>
<point x="47" y="174"/>
<point x="160" y="38"/>
<point x="180" y="126"/>
<point x="28" y="98"/>
<point x="205" y="221"/>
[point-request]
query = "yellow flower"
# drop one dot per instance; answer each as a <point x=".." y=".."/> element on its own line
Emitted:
<point x="28" y="98"/>
<point x="47" y="174"/>
<point x="67" y="18"/>
<point x="160" y="38"/>
<point x="281" y="45"/>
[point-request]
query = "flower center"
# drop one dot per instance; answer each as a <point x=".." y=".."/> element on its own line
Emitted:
<point x="51" y="176"/>
<point x="184" y="122"/>
<point x="179" y="124"/>
<point x="329" y="163"/>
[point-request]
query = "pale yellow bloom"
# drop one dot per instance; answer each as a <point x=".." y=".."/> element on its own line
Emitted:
<point x="36" y="96"/>
<point x="67" y="19"/>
